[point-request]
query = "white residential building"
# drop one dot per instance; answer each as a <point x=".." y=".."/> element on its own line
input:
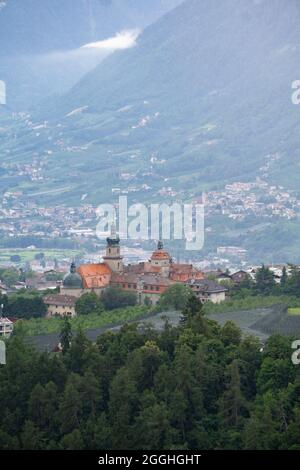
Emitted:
<point x="6" y="327"/>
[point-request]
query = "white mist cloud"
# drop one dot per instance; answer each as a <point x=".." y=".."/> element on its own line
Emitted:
<point x="58" y="71"/>
<point x="122" y="40"/>
<point x="2" y="4"/>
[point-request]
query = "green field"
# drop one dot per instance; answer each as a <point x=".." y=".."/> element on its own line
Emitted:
<point x="294" y="311"/>
<point x="29" y="255"/>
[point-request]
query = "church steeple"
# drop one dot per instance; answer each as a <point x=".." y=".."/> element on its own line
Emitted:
<point x="160" y="245"/>
<point x="113" y="257"/>
<point x="113" y="239"/>
<point x="161" y="259"/>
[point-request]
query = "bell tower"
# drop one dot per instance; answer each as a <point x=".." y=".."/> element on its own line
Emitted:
<point x="113" y="256"/>
<point x="161" y="259"/>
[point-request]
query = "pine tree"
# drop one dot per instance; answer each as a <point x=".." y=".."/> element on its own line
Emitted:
<point x="66" y="336"/>
<point x="265" y="281"/>
<point x="152" y="427"/>
<point x="31" y="437"/>
<point x="232" y="400"/>
<point x="73" y="441"/>
<point x="71" y="407"/>
<point x="283" y="279"/>
<point x="123" y="407"/>
<point x="231" y="334"/>
<point x="77" y="351"/>
<point x="192" y="309"/>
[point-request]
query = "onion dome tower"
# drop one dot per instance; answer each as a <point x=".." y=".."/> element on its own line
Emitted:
<point x="73" y="279"/>
<point x="160" y="257"/>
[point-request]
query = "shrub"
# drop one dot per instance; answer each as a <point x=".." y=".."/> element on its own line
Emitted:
<point x="117" y="298"/>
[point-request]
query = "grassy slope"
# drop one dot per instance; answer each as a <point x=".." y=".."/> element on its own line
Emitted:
<point x="41" y="326"/>
<point x="251" y="302"/>
<point x="294" y="311"/>
<point x="29" y="255"/>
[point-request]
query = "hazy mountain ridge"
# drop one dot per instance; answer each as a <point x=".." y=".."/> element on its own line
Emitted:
<point x="35" y="27"/>
<point x="189" y="67"/>
<point x="41" y="41"/>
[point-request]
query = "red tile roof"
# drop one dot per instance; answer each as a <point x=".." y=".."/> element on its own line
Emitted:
<point x="60" y="300"/>
<point x="160" y="255"/>
<point x="148" y="279"/>
<point x="95" y="275"/>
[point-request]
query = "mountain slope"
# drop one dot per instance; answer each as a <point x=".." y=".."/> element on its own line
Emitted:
<point x="211" y="81"/>
<point x="38" y="27"/>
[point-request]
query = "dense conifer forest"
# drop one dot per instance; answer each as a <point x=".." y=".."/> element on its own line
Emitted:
<point x="195" y="386"/>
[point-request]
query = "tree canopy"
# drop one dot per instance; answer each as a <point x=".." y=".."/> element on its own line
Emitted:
<point x="89" y="303"/>
<point x="175" y="297"/>
<point x="198" y="385"/>
<point x="114" y="297"/>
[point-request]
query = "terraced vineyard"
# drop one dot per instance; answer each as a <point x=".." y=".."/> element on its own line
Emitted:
<point x="279" y="321"/>
<point x="263" y="322"/>
<point x="245" y="319"/>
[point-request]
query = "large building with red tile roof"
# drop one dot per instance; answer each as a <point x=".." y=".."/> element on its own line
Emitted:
<point x="147" y="279"/>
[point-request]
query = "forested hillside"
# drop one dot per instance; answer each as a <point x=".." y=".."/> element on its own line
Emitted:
<point x="196" y="386"/>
